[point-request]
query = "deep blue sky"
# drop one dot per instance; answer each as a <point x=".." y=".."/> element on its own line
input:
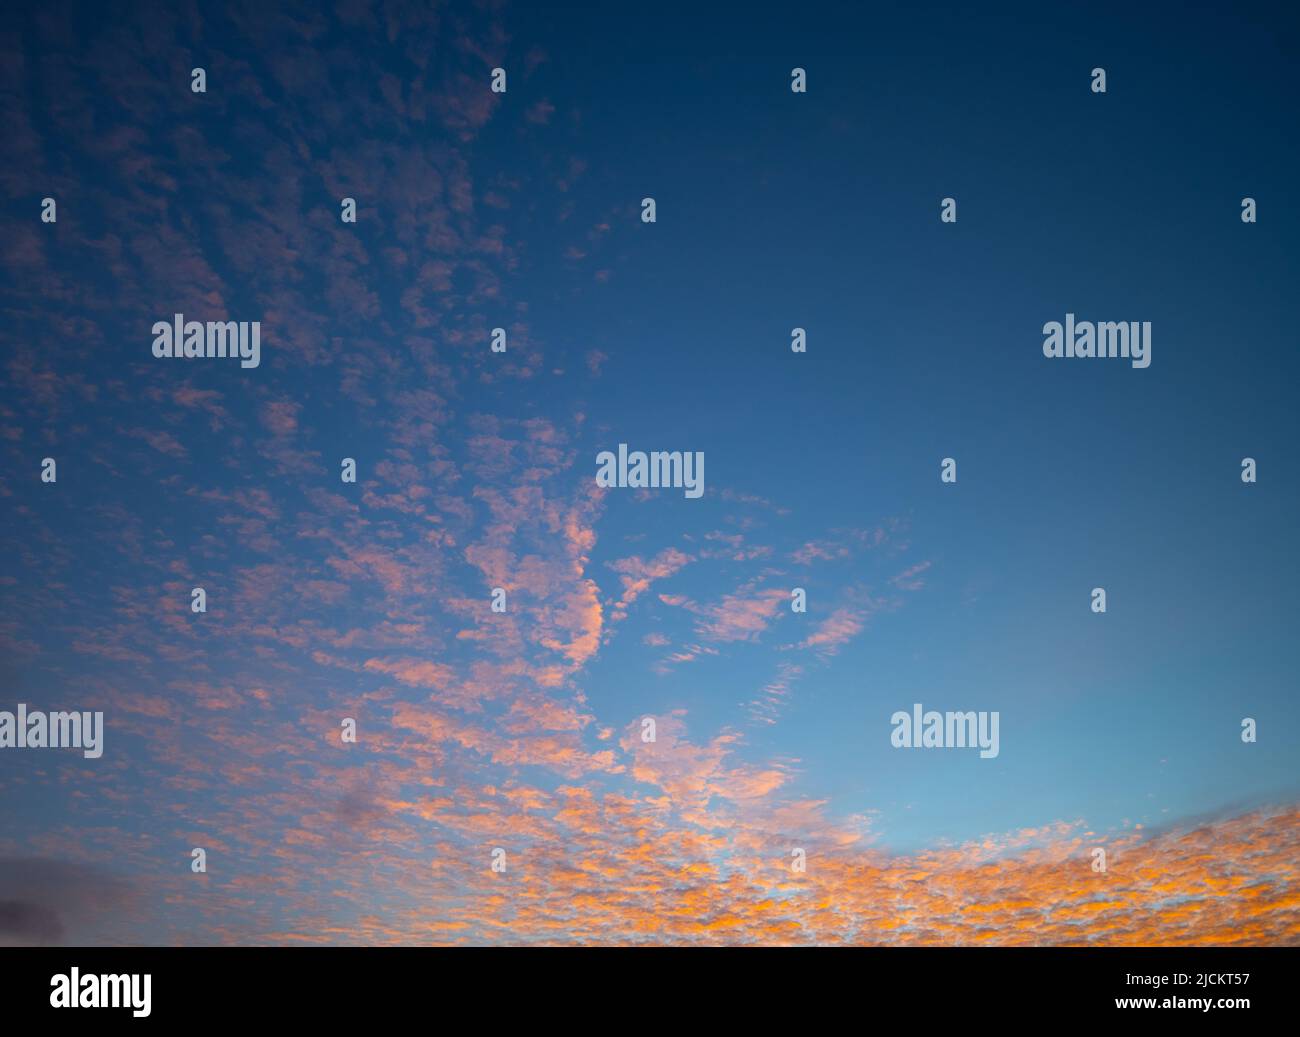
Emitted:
<point x="821" y="210"/>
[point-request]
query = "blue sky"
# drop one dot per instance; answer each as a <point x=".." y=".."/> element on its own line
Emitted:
<point x="821" y="210"/>
<point x="775" y="210"/>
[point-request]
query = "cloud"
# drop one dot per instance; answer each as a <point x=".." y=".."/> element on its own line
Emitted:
<point x="24" y="924"/>
<point x="638" y="574"/>
<point x="835" y="631"/>
<point x="51" y="901"/>
<point x="370" y="601"/>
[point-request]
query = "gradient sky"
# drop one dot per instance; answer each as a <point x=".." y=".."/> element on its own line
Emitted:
<point x="476" y="470"/>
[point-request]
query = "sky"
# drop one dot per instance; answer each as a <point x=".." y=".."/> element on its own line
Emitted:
<point x="523" y="731"/>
